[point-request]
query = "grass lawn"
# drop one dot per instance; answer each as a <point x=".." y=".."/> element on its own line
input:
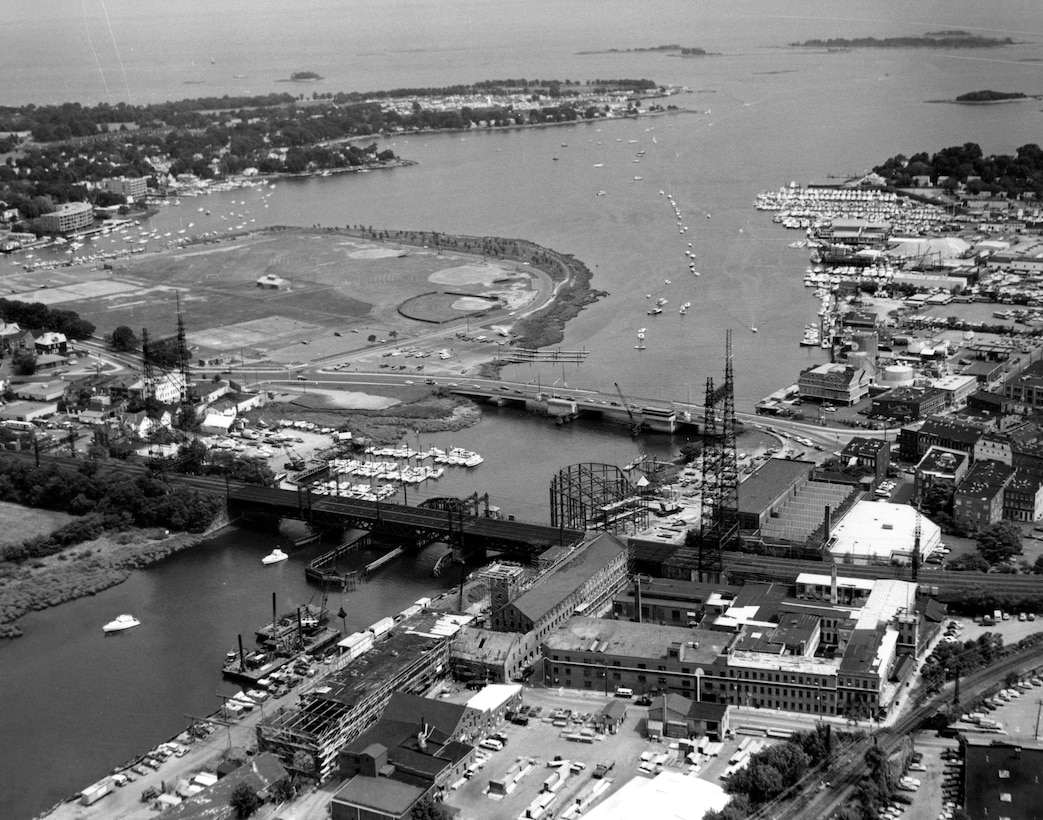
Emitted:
<point x="25" y="522"/>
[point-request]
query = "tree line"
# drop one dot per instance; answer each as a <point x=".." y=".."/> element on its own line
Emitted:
<point x="102" y="500"/>
<point x="36" y="315"/>
<point x="968" y="165"/>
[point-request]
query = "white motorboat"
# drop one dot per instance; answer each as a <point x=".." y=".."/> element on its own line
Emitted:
<point x="121" y="623"/>
<point x="274" y="557"/>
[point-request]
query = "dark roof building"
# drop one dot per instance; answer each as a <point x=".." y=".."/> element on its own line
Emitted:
<point x="584" y="580"/>
<point x="978" y="501"/>
<point x="1001" y="778"/>
<point x="909" y="402"/>
<point x="215" y="802"/>
<point x="413" y="750"/>
<point x="764" y="492"/>
<point x="873" y="453"/>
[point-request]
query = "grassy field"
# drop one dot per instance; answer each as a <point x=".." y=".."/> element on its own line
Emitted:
<point x="25" y="522"/>
<point x="331" y="282"/>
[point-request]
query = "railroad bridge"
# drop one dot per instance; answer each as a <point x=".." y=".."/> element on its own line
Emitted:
<point x="472" y="536"/>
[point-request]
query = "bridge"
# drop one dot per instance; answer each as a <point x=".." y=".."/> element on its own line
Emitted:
<point x="472" y="536"/>
<point x="564" y="405"/>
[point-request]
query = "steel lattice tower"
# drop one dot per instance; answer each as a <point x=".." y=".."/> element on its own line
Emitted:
<point x="182" y="357"/>
<point x="720" y="491"/>
<point x="148" y="388"/>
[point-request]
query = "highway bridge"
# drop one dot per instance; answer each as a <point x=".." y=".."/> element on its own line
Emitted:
<point x="562" y="404"/>
<point x="472" y="535"/>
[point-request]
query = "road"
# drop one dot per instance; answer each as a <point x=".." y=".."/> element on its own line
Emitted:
<point x="799" y="803"/>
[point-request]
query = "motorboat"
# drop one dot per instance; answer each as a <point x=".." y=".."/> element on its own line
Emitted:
<point x="121" y="623"/>
<point x="274" y="557"/>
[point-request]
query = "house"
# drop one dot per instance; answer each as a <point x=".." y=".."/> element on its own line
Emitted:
<point x="141" y="425"/>
<point x="673" y="715"/>
<point x="51" y="342"/>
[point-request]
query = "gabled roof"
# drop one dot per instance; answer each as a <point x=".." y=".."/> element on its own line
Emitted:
<point x="669" y="707"/>
<point x="549" y="592"/>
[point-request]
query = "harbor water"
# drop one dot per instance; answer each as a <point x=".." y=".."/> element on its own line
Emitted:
<point x="76" y="704"/>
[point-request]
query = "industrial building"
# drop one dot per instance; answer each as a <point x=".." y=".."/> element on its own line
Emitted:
<point x="875" y="532"/>
<point x="490" y="656"/>
<point x="829" y="646"/>
<point x="782" y="503"/>
<point x="669" y="794"/>
<point x="584" y="579"/>
<point x="333" y="711"/>
<point x="836" y="383"/>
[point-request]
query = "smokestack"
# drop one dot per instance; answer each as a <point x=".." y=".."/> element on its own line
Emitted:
<point x="275" y="617"/>
<point x="637" y="600"/>
<point x="833" y="585"/>
<point x="827" y="524"/>
<point x="242" y="655"/>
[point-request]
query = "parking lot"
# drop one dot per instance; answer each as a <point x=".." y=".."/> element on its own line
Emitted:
<point x="541" y="742"/>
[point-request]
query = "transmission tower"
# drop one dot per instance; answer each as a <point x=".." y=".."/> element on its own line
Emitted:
<point x="720" y="491"/>
<point x="183" y="366"/>
<point x="148" y="391"/>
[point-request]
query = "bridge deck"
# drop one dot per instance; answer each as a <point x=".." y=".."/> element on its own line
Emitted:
<point x="294" y="504"/>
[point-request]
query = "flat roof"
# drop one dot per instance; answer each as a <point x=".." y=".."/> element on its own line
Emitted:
<point x="772" y="479"/>
<point x="494" y="696"/>
<point x="668" y="796"/>
<point x="380" y="794"/>
<point x="879" y="530"/>
<point x="842" y="582"/>
<point x="626" y="638"/>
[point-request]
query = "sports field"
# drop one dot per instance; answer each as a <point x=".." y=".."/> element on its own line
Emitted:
<point x="324" y="284"/>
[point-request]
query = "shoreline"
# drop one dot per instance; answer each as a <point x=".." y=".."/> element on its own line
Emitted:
<point x="106" y="564"/>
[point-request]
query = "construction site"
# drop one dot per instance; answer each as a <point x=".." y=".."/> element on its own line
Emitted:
<point x="411" y="656"/>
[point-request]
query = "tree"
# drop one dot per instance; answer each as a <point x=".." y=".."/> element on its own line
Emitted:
<point x="969" y="561"/>
<point x="427" y="809"/>
<point x="371" y="338"/>
<point x="245" y="801"/>
<point x="999" y="542"/>
<point x="123" y="339"/>
<point x="24" y="362"/>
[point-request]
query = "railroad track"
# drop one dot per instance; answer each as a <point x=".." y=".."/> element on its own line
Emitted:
<point x="799" y="802"/>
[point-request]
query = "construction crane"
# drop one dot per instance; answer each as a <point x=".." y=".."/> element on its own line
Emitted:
<point x="635" y="423"/>
<point x="294" y="459"/>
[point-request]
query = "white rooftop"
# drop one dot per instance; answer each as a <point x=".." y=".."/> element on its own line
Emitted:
<point x="888" y="596"/>
<point x="827" y="580"/>
<point x="668" y="796"/>
<point x="494" y="696"/>
<point x="878" y="531"/>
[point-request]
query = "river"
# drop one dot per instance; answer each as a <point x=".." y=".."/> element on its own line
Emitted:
<point x="76" y="704"/>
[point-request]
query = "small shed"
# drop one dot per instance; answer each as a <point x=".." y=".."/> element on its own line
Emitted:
<point x="612" y="716"/>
